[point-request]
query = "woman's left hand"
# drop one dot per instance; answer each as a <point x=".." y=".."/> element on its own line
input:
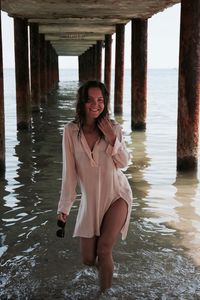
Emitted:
<point x="106" y="127"/>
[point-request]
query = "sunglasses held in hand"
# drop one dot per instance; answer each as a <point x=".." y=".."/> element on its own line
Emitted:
<point x="60" y="232"/>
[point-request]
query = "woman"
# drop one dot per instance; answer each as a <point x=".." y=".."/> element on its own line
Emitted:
<point x="93" y="154"/>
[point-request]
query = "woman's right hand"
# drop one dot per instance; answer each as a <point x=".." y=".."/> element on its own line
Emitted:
<point x="62" y="217"/>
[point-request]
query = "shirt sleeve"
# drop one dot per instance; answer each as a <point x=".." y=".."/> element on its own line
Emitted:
<point x="119" y="152"/>
<point x="69" y="174"/>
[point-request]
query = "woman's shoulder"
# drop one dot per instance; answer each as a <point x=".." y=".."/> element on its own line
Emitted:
<point x="71" y="126"/>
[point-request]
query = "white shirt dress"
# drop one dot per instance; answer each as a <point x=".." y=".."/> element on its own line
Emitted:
<point x="99" y="176"/>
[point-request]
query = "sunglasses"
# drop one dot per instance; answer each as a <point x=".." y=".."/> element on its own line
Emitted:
<point x="60" y="232"/>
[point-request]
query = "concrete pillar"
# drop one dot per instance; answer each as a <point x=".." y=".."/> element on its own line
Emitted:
<point x="139" y="74"/>
<point x="99" y="60"/>
<point x="107" y="65"/>
<point x="2" y="118"/>
<point x="188" y="86"/>
<point x="94" y="55"/>
<point x="43" y="73"/>
<point x="48" y="68"/>
<point x="56" y="67"/>
<point x="119" y="69"/>
<point x="80" y="68"/>
<point x="22" y="74"/>
<point x="91" y="62"/>
<point x="35" y="67"/>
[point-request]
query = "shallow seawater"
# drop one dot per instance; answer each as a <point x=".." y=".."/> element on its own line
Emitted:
<point x="159" y="259"/>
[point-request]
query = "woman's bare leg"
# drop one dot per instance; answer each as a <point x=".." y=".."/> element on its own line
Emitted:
<point x="113" y="222"/>
<point x="88" y="250"/>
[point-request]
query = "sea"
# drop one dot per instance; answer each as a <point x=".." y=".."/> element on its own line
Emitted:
<point x="160" y="258"/>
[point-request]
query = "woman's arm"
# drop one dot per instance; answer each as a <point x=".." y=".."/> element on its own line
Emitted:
<point x="69" y="176"/>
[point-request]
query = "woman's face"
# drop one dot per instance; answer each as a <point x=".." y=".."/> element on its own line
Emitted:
<point x="95" y="103"/>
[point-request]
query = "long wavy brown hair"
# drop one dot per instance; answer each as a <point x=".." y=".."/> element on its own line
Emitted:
<point x="82" y="98"/>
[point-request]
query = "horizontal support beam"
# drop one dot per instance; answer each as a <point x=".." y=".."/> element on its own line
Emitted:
<point x="57" y="28"/>
<point x="73" y="42"/>
<point x="82" y="21"/>
<point x="74" y="36"/>
<point x="81" y="48"/>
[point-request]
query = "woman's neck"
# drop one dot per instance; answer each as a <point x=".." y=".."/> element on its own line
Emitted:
<point x="90" y="127"/>
<point x="90" y="124"/>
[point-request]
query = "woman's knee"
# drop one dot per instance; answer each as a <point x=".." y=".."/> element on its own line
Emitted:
<point x="89" y="261"/>
<point x="88" y="250"/>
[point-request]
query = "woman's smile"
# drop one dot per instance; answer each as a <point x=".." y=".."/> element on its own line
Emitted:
<point x="95" y="104"/>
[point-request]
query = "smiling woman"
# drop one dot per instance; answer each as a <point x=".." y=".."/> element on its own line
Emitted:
<point x="93" y="154"/>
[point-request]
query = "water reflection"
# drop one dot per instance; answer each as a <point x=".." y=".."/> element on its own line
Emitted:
<point x="188" y="213"/>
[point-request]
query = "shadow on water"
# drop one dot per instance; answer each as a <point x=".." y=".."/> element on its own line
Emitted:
<point x="152" y="263"/>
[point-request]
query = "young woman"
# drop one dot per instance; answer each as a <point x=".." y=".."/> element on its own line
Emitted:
<point x="93" y="154"/>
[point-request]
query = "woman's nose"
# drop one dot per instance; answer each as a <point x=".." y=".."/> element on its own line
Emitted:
<point x="94" y="102"/>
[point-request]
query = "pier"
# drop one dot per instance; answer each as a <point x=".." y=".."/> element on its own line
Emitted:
<point x="81" y="29"/>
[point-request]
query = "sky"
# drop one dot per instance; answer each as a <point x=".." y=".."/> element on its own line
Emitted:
<point x="163" y="41"/>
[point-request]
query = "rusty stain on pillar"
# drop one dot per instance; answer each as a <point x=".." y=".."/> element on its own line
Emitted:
<point x="22" y="74"/>
<point x="139" y="74"/>
<point x="2" y="116"/>
<point x="99" y="60"/>
<point x="107" y="63"/>
<point x="189" y="90"/>
<point x="35" y="67"/>
<point x="119" y="69"/>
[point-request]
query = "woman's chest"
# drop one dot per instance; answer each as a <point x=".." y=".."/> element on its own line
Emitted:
<point x="91" y="139"/>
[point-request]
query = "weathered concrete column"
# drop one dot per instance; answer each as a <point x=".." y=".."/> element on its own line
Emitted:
<point x="94" y="59"/>
<point x="22" y="74"/>
<point x="107" y="64"/>
<point x="35" y="67"/>
<point x="43" y="73"/>
<point x="189" y="90"/>
<point x="56" y="67"/>
<point x="99" y="60"/>
<point x="2" y="118"/>
<point x="119" y="69"/>
<point x="48" y="68"/>
<point x="91" y="62"/>
<point x="80" y="68"/>
<point x="139" y="74"/>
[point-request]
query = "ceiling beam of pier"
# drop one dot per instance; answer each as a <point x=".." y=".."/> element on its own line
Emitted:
<point x="73" y="26"/>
